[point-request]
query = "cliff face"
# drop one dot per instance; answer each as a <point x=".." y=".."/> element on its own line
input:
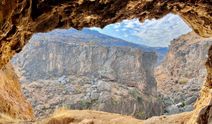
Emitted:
<point x="202" y="108"/>
<point x="12" y="101"/>
<point x="85" y="74"/>
<point x="19" y="19"/>
<point x="183" y="68"/>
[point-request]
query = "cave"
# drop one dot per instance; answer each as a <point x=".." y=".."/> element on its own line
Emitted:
<point x="19" y="19"/>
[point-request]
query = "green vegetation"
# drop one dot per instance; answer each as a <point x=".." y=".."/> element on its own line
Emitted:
<point x="183" y="104"/>
<point x="85" y="104"/>
<point x="183" y="81"/>
<point x="140" y="114"/>
<point x="136" y="94"/>
<point x="114" y="102"/>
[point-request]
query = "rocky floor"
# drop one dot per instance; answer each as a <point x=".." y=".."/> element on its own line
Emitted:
<point x="85" y="93"/>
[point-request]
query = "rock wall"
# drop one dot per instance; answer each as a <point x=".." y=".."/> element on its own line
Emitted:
<point x="202" y="108"/>
<point x="83" y="74"/>
<point x="182" y="73"/>
<point x="12" y="102"/>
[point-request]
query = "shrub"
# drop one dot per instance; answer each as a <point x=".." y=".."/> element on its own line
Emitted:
<point x="183" y="81"/>
<point x="134" y="93"/>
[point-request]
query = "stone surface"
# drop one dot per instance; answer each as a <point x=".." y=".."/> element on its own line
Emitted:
<point x="77" y="117"/>
<point x="88" y="117"/>
<point x="12" y="102"/>
<point x="83" y="71"/>
<point x="181" y="75"/>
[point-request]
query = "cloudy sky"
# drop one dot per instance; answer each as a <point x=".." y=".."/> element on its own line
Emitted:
<point x="155" y="33"/>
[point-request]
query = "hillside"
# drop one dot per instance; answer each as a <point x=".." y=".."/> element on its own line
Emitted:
<point x="94" y="37"/>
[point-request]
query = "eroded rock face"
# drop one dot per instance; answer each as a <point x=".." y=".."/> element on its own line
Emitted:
<point x="203" y="105"/>
<point x="183" y="68"/>
<point x="19" y="19"/>
<point x="12" y="101"/>
<point x="88" y="70"/>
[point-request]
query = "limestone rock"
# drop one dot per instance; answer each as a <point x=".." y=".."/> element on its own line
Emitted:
<point x="85" y="71"/>
<point x="181" y="75"/>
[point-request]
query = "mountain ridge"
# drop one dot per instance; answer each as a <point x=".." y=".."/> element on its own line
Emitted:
<point x="96" y="37"/>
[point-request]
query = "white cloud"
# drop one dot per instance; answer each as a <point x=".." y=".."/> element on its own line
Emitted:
<point x="151" y="32"/>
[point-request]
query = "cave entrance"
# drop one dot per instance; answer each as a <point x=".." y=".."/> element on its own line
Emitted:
<point x="115" y="69"/>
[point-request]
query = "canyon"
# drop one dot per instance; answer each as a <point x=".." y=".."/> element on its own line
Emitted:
<point x="54" y="62"/>
<point x="19" y="19"/>
<point x="88" y="70"/>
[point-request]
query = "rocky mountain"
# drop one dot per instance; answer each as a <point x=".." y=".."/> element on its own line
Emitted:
<point x="88" y="70"/>
<point x="93" y="36"/>
<point x="182" y="73"/>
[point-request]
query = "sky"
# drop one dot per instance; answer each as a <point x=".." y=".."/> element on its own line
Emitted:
<point x="154" y="33"/>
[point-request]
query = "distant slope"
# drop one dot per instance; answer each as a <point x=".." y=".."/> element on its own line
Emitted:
<point x="92" y="36"/>
<point x="159" y="31"/>
<point x="85" y="35"/>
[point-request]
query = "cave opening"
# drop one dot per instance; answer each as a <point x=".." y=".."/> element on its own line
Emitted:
<point x="20" y="19"/>
<point x="127" y="68"/>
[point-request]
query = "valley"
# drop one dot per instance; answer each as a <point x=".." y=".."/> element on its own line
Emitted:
<point x="88" y="70"/>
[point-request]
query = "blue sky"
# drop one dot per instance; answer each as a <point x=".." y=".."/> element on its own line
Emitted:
<point x="154" y="33"/>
